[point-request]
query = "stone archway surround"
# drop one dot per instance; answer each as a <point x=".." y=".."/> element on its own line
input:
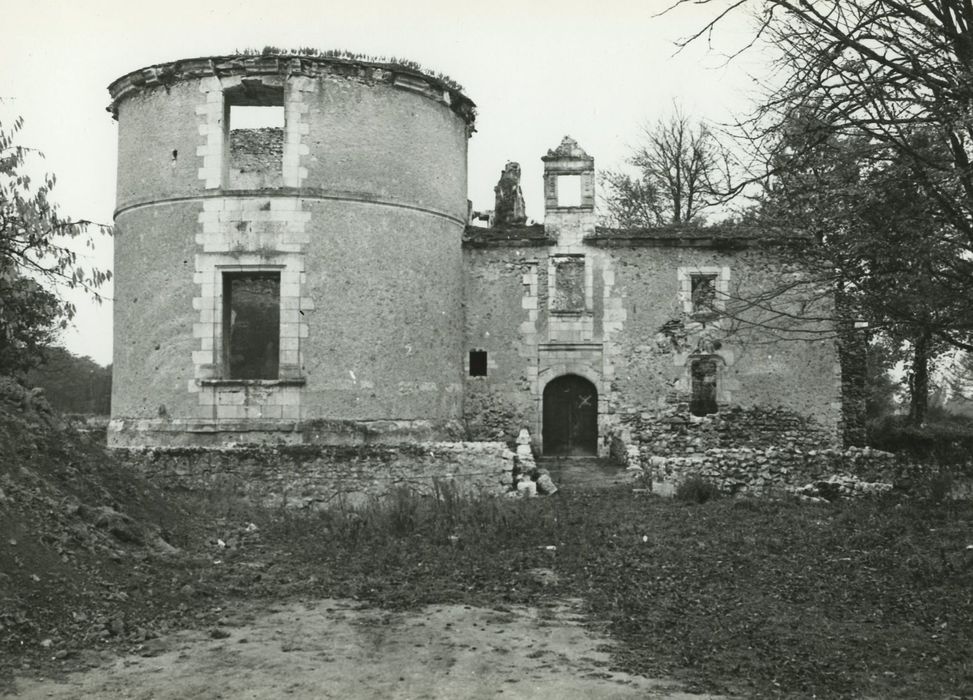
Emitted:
<point x="552" y="372"/>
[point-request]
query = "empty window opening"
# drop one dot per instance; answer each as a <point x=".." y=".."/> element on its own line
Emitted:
<point x="703" y="293"/>
<point x="478" y="363"/>
<point x="251" y="324"/>
<point x="703" y="401"/>
<point x="255" y="136"/>
<point x="569" y="190"/>
<point x="569" y="285"/>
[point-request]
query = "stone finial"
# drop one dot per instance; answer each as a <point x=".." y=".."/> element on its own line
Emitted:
<point x="569" y="149"/>
<point x="523" y="438"/>
<point x="509" y="208"/>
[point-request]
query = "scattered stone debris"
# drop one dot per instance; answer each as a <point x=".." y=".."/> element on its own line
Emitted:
<point x="529" y="480"/>
<point x="525" y="486"/>
<point x="839" y="486"/>
<point x="545" y="485"/>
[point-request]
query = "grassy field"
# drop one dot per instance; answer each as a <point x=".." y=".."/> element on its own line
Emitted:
<point x="760" y="598"/>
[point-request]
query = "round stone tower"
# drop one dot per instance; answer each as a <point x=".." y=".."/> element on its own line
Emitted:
<point x="288" y="252"/>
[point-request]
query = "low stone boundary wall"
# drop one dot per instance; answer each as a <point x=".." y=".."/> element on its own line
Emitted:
<point x="754" y="471"/>
<point x="318" y="476"/>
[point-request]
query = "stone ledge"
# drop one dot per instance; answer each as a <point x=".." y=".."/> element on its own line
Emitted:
<point x="288" y="381"/>
<point x="209" y="433"/>
<point x="286" y="65"/>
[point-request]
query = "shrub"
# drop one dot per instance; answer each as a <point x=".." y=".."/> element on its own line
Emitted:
<point x="697" y="490"/>
<point x="946" y="441"/>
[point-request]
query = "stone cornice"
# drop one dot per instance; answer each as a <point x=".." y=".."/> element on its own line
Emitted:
<point x="400" y="77"/>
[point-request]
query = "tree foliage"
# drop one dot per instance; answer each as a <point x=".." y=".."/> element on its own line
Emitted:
<point x="72" y="384"/>
<point x="37" y="259"/>
<point x="681" y="173"/>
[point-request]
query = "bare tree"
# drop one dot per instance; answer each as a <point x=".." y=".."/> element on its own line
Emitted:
<point x="681" y="173"/>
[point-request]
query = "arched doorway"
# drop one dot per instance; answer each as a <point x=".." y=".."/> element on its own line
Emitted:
<point x="570" y="417"/>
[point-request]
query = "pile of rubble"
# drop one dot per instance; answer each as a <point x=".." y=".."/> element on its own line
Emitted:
<point x="529" y="481"/>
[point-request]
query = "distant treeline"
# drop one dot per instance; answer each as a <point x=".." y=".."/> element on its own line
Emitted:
<point x="73" y="384"/>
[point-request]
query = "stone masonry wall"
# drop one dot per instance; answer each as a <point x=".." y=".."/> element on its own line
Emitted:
<point x="369" y="261"/>
<point x="256" y="158"/>
<point x="674" y="431"/>
<point x="635" y="340"/>
<point x="501" y="290"/>
<point x="773" y="470"/>
<point x="317" y="476"/>
<point x="760" y="362"/>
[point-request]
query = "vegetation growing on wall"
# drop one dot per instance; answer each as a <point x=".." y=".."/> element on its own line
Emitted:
<point x="355" y="57"/>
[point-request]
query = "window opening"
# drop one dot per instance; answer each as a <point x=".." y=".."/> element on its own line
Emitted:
<point x="251" y="324"/>
<point x="703" y="293"/>
<point x="255" y="137"/>
<point x="478" y="363"/>
<point x="703" y="401"/>
<point x="569" y="285"/>
<point x="569" y="190"/>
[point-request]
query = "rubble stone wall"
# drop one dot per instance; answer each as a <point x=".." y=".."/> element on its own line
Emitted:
<point x="764" y="471"/>
<point x="674" y="431"/>
<point x="320" y="476"/>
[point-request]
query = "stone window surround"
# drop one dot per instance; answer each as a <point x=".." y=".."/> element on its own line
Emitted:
<point x="684" y="278"/>
<point x="558" y="360"/>
<point x="214" y="128"/>
<point x="209" y="359"/>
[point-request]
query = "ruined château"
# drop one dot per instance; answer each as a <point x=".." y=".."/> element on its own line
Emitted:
<point x="319" y="280"/>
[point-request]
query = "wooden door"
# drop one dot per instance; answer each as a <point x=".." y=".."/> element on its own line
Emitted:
<point x="570" y="417"/>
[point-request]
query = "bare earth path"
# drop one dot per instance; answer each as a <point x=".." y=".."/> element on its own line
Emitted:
<point x="335" y="649"/>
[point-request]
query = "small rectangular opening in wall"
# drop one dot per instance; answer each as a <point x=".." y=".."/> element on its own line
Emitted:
<point x="255" y="137"/>
<point x="251" y="325"/>
<point x="478" y="363"/>
<point x="569" y="190"/>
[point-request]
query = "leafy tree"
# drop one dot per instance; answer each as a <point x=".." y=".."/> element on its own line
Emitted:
<point x="883" y="246"/>
<point x="36" y="259"/>
<point x="680" y="174"/>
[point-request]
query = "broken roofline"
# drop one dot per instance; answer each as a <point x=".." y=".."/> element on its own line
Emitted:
<point x="398" y="75"/>
<point x="717" y="237"/>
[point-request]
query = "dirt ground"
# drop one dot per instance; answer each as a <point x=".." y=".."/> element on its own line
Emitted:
<point x="339" y="649"/>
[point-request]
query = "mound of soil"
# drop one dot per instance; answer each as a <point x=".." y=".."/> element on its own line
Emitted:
<point x="90" y="553"/>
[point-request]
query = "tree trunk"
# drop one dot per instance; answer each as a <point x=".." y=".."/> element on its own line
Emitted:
<point x="919" y="379"/>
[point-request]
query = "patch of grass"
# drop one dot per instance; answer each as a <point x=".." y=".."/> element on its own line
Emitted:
<point x="761" y="598"/>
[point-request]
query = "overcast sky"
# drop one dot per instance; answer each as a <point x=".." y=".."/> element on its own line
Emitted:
<point x="537" y="69"/>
